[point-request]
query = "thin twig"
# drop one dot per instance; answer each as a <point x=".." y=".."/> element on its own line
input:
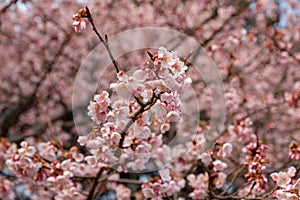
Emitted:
<point x="95" y="183"/>
<point x="5" y="8"/>
<point x="125" y="180"/>
<point x="103" y="41"/>
<point x="133" y="118"/>
<point x="233" y="180"/>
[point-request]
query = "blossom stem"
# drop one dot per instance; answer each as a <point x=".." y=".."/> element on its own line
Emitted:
<point x="103" y="41"/>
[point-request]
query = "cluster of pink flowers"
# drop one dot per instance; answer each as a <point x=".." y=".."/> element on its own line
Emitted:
<point x="292" y="99"/>
<point x="50" y="168"/>
<point x="25" y="162"/>
<point x="98" y="108"/>
<point x="287" y="187"/>
<point x="166" y="185"/>
<point x="200" y="182"/>
<point x="255" y="45"/>
<point x="79" y="22"/>
<point x="294" y="151"/>
<point x="123" y="192"/>
<point x="200" y="185"/>
<point x="243" y="131"/>
<point x="147" y="103"/>
<point x="255" y="162"/>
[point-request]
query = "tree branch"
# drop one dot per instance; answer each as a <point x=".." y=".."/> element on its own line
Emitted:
<point x="103" y="41"/>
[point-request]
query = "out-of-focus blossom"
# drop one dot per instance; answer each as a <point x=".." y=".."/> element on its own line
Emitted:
<point x="165" y="174"/>
<point x="123" y="192"/>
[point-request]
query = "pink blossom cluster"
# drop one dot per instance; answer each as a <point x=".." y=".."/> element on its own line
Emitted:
<point x="26" y="163"/>
<point x="287" y="188"/>
<point x="132" y="124"/>
<point x="243" y="131"/>
<point x="200" y="184"/>
<point x="255" y="162"/>
<point x="292" y="99"/>
<point x="255" y="45"/>
<point x="294" y="150"/>
<point x="223" y="150"/>
<point x="79" y="22"/>
<point x="123" y="192"/>
<point x="6" y="189"/>
<point x="166" y="185"/>
<point x="48" y="167"/>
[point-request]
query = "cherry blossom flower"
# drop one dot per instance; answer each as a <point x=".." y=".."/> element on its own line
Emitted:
<point x="165" y="174"/>
<point x="283" y="179"/>
<point x="226" y="150"/>
<point x="123" y="192"/>
<point x="291" y="171"/>
<point x="220" y="180"/>
<point x="200" y="185"/>
<point x="205" y="158"/>
<point x="219" y="165"/>
<point x="79" y="22"/>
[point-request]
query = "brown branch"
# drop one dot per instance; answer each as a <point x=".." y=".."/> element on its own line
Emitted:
<point x="133" y="118"/>
<point x="5" y="8"/>
<point x="95" y="183"/>
<point x="233" y="180"/>
<point x="40" y="128"/>
<point x="103" y="41"/>
<point x="10" y="116"/>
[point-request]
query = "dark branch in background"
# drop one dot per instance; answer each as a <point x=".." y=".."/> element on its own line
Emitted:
<point x="97" y="180"/>
<point x="48" y="18"/>
<point x="241" y="6"/>
<point x="5" y="8"/>
<point x="11" y="115"/>
<point x="40" y="128"/>
<point x="103" y="41"/>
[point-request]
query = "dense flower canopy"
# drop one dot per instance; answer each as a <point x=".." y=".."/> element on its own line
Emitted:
<point x="255" y="45"/>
